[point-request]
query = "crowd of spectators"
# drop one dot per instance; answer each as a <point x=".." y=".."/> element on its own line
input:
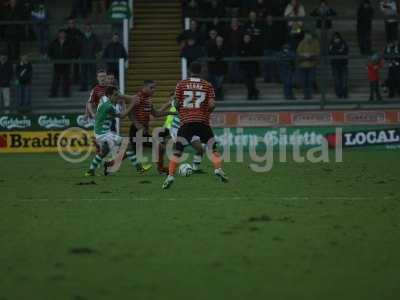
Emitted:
<point x="70" y="43"/>
<point x="255" y="41"/>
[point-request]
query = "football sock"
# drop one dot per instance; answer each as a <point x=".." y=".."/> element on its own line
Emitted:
<point x="197" y="161"/>
<point x="173" y="165"/>
<point x="132" y="157"/>
<point x="216" y="160"/>
<point x="95" y="162"/>
<point x="160" y="162"/>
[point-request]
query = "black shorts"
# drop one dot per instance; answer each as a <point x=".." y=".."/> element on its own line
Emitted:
<point x="132" y="137"/>
<point x="191" y="132"/>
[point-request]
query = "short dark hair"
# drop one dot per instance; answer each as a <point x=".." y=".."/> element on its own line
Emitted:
<point x="101" y="71"/>
<point x="110" y="90"/>
<point x="148" y="82"/>
<point x="195" y="68"/>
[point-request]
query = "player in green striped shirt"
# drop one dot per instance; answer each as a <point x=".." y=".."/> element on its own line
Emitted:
<point x="108" y="140"/>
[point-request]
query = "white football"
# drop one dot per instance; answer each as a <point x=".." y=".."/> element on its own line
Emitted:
<point x="185" y="170"/>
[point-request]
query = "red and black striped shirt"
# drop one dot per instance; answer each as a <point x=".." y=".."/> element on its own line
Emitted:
<point x="142" y="111"/>
<point x="194" y="96"/>
<point x="97" y="92"/>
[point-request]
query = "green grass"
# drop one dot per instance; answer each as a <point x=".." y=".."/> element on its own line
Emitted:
<point x="302" y="231"/>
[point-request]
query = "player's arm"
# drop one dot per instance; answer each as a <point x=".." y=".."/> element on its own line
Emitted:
<point x="90" y="109"/>
<point x="211" y="104"/>
<point x="163" y="112"/>
<point x="133" y="101"/>
<point x="211" y="99"/>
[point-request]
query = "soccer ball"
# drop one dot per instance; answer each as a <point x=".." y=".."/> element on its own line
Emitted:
<point x="185" y="170"/>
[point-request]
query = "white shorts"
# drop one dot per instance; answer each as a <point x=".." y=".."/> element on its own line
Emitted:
<point x="111" y="139"/>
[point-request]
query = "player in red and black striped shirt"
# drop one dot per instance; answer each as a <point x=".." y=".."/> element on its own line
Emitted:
<point x="195" y="101"/>
<point x="142" y="110"/>
<point x="96" y="93"/>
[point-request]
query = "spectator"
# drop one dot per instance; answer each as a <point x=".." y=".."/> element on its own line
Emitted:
<point x="249" y="68"/>
<point x="232" y="8"/>
<point x="80" y="8"/>
<point x="75" y="37"/>
<point x="392" y="53"/>
<point x="323" y="11"/>
<point x="287" y="67"/>
<point x="234" y="40"/>
<point x="218" y="26"/>
<point x="374" y="66"/>
<point x="324" y="26"/>
<point x="118" y="11"/>
<point x="255" y="28"/>
<point x="193" y="32"/>
<point x="192" y="51"/>
<point x="98" y="8"/>
<point x="365" y="15"/>
<point x="191" y="9"/>
<point x="213" y="8"/>
<point x="114" y="51"/>
<point x="40" y="17"/>
<point x="60" y="49"/>
<point x="389" y="9"/>
<point x="217" y="68"/>
<point x="6" y="75"/>
<point x="13" y="32"/>
<point x="337" y="47"/>
<point x="261" y="9"/>
<point x="90" y="49"/>
<point x="212" y="35"/>
<point x="272" y="45"/>
<point x="308" y="53"/>
<point x="296" y="32"/>
<point x="23" y="73"/>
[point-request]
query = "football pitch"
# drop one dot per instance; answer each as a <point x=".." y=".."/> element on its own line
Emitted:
<point x="301" y="231"/>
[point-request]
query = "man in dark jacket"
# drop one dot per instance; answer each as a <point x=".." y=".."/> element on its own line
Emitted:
<point x="13" y="32"/>
<point x="234" y="40"/>
<point x="287" y="58"/>
<point x="74" y="36"/>
<point x="337" y="47"/>
<point x="192" y="51"/>
<point x="273" y="42"/>
<point x="114" y="51"/>
<point x="249" y="68"/>
<point x="6" y="74"/>
<point x="254" y="28"/>
<point x="392" y="53"/>
<point x="90" y="49"/>
<point x="194" y="33"/>
<point x="217" y="68"/>
<point x="60" y="49"/>
<point x="364" y="26"/>
<point x="23" y="73"/>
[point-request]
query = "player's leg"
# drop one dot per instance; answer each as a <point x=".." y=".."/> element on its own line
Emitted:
<point x="131" y="153"/>
<point x="207" y="136"/>
<point x="184" y="135"/>
<point x="198" y="156"/>
<point x="98" y="159"/>
<point x="161" y="152"/>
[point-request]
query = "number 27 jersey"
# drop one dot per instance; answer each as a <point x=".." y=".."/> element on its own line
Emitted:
<point x="193" y="99"/>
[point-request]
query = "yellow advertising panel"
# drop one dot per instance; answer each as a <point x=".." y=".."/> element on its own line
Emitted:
<point x="73" y="139"/>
